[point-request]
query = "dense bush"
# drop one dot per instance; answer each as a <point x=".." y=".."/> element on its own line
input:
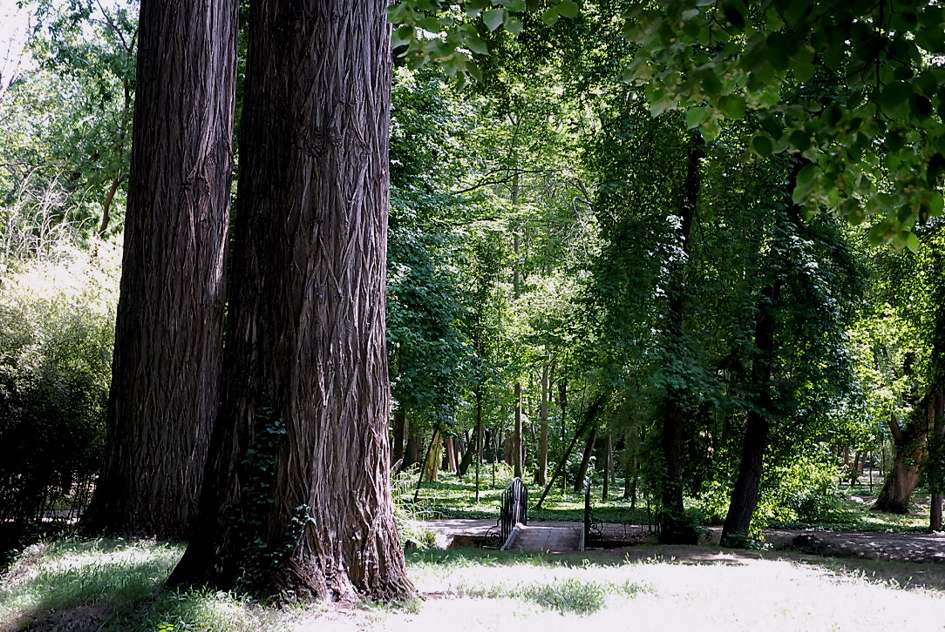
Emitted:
<point x="805" y="490"/>
<point x="56" y="331"/>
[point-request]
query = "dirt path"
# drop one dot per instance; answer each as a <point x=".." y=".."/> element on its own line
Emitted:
<point x="905" y="547"/>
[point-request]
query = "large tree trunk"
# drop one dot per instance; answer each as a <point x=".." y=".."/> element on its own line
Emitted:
<point x="541" y="469"/>
<point x="298" y="493"/>
<point x="909" y="445"/>
<point x="747" y="488"/>
<point x="168" y="337"/>
<point x="673" y="529"/>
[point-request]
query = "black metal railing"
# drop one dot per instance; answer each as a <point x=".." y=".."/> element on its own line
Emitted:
<point x="514" y="509"/>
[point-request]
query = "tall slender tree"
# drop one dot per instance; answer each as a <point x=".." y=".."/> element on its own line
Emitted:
<point x="168" y="339"/>
<point x="298" y="494"/>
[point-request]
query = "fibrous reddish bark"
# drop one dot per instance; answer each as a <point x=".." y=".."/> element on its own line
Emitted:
<point x="168" y="339"/>
<point x="306" y="387"/>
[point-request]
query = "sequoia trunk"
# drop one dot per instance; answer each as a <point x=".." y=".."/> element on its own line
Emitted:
<point x="298" y="494"/>
<point x="168" y="335"/>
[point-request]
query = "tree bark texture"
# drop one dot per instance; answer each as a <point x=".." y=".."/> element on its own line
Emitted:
<point x="747" y="488"/>
<point x="167" y="362"/>
<point x="672" y="529"/>
<point x="910" y="450"/>
<point x="298" y="493"/>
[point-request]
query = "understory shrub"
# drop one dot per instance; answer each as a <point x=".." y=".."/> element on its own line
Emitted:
<point x="56" y="333"/>
<point x="804" y="490"/>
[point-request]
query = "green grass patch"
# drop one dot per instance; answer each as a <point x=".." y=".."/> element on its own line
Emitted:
<point x="113" y="585"/>
<point x="454" y="497"/>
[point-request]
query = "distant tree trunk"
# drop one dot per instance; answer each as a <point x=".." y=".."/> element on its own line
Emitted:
<point x="936" y="468"/>
<point x="431" y="465"/>
<point x="673" y="529"/>
<point x="450" y="447"/>
<point x="474" y="449"/>
<point x="298" y="493"/>
<point x="747" y="488"/>
<point x="517" y="442"/>
<point x="167" y="360"/>
<point x="608" y="465"/>
<point x="936" y="457"/>
<point x="412" y="451"/>
<point x="121" y="144"/>
<point x="909" y="447"/>
<point x="400" y="430"/>
<point x="563" y="405"/>
<point x="541" y="470"/>
<point x="585" y="459"/>
<point x="590" y="416"/>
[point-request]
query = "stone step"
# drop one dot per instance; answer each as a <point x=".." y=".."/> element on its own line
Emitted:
<point x="539" y="538"/>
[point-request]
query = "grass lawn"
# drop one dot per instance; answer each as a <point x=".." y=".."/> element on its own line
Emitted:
<point x="114" y="585"/>
<point x="454" y="497"/>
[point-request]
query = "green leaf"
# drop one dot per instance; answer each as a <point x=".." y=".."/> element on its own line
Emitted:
<point x="696" y="116"/>
<point x="513" y="25"/>
<point x="660" y="106"/>
<point x="912" y="242"/>
<point x="568" y="8"/>
<point x="476" y="44"/>
<point x="895" y="93"/>
<point x="762" y="144"/>
<point x="804" y="184"/>
<point x="550" y="16"/>
<point x="402" y="36"/>
<point x="732" y="106"/>
<point x="936" y="203"/>
<point x="493" y="18"/>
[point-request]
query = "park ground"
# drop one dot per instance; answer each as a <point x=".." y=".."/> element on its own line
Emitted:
<point x="83" y="585"/>
<point x="113" y="585"/>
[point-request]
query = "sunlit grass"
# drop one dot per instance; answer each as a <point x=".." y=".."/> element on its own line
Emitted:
<point x="114" y="585"/>
<point x="454" y="497"/>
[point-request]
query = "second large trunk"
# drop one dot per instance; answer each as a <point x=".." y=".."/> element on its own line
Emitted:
<point x="298" y="496"/>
